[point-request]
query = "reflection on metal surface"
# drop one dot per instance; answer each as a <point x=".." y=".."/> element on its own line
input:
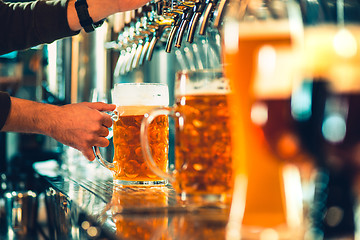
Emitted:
<point x="153" y="213"/>
<point x="21" y="213"/>
<point x="83" y="206"/>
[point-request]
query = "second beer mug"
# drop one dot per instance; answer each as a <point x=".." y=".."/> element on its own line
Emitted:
<point x="203" y="166"/>
<point x="132" y="101"/>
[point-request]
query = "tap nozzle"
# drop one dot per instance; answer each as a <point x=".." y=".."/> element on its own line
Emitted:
<point x="162" y="26"/>
<point x="220" y="13"/>
<point x="209" y="9"/>
<point x="171" y="37"/>
<point x="186" y="17"/>
<point x="144" y="50"/>
<point x="199" y="9"/>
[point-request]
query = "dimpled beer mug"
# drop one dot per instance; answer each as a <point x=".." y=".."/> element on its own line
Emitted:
<point x="203" y="166"/>
<point x="132" y="101"/>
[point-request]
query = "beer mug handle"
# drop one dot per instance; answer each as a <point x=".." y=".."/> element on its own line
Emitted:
<point x="103" y="162"/>
<point x="145" y="146"/>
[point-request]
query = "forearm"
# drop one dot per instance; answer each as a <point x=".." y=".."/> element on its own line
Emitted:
<point x="30" y="117"/>
<point x="28" y="24"/>
<point x="100" y="9"/>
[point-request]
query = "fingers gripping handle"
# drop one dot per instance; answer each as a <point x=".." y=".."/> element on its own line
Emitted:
<point x="114" y="116"/>
<point x="145" y="146"/>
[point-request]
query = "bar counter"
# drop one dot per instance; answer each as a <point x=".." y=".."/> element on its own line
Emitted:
<point x="87" y="205"/>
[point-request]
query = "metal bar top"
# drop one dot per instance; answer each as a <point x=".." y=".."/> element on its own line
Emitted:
<point x="134" y="212"/>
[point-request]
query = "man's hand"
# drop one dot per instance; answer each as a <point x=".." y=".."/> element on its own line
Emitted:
<point x="80" y="125"/>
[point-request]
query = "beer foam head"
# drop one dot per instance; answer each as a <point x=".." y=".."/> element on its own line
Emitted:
<point x="201" y="82"/>
<point x="264" y="29"/>
<point x="140" y="94"/>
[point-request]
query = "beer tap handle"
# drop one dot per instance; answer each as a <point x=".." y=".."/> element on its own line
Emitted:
<point x="131" y="58"/>
<point x="162" y="26"/>
<point x="220" y="13"/>
<point x="118" y="65"/>
<point x="144" y="51"/>
<point x="171" y="36"/>
<point x="124" y="62"/>
<point x="152" y="44"/>
<point x="200" y="6"/>
<point x="187" y="15"/>
<point x="206" y="17"/>
<point x="138" y="52"/>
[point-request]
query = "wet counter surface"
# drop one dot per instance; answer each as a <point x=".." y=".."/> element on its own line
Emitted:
<point x="93" y="204"/>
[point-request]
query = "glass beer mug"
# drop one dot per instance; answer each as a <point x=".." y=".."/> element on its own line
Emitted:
<point x="267" y="199"/>
<point x="132" y="101"/>
<point x="203" y="166"/>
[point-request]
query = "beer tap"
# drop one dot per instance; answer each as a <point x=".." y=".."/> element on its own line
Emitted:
<point x="207" y="13"/>
<point x="220" y="13"/>
<point x="134" y="40"/>
<point x="198" y="11"/>
<point x="141" y="36"/>
<point x="144" y="50"/>
<point x="175" y="12"/>
<point x="161" y="26"/>
<point x="125" y="53"/>
<point x="146" y="31"/>
<point x="143" y="43"/>
<point x="119" y="63"/>
<point x="122" y="44"/>
<point x="174" y="29"/>
<point x="151" y="27"/>
<point x="131" y="50"/>
<point x="186" y="17"/>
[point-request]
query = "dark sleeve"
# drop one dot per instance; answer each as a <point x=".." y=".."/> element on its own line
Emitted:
<point x="24" y="25"/>
<point x="5" y="104"/>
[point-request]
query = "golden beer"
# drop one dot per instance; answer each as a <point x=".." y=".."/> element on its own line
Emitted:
<point x="128" y="159"/>
<point x="253" y="158"/>
<point x="203" y="145"/>
<point x="203" y="173"/>
<point x="133" y="101"/>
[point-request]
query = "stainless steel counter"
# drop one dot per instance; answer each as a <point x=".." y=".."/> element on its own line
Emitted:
<point x="88" y="205"/>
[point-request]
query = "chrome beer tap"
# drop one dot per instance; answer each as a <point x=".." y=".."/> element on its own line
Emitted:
<point x="141" y="36"/>
<point x="198" y="11"/>
<point x="211" y="4"/>
<point x="162" y="25"/>
<point x="220" y="10"/>
<point x="174" y="29"/>
<point x="122" y="45"/>
<point x="146" y="30"/>
<point x="185" y="19"/>
<point x="175" y="12"/>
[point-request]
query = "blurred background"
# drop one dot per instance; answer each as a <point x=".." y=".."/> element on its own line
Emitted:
<point x="149" y="44"/>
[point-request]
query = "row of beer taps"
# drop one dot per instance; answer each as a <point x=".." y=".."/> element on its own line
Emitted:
<point x="165" y="23"/>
